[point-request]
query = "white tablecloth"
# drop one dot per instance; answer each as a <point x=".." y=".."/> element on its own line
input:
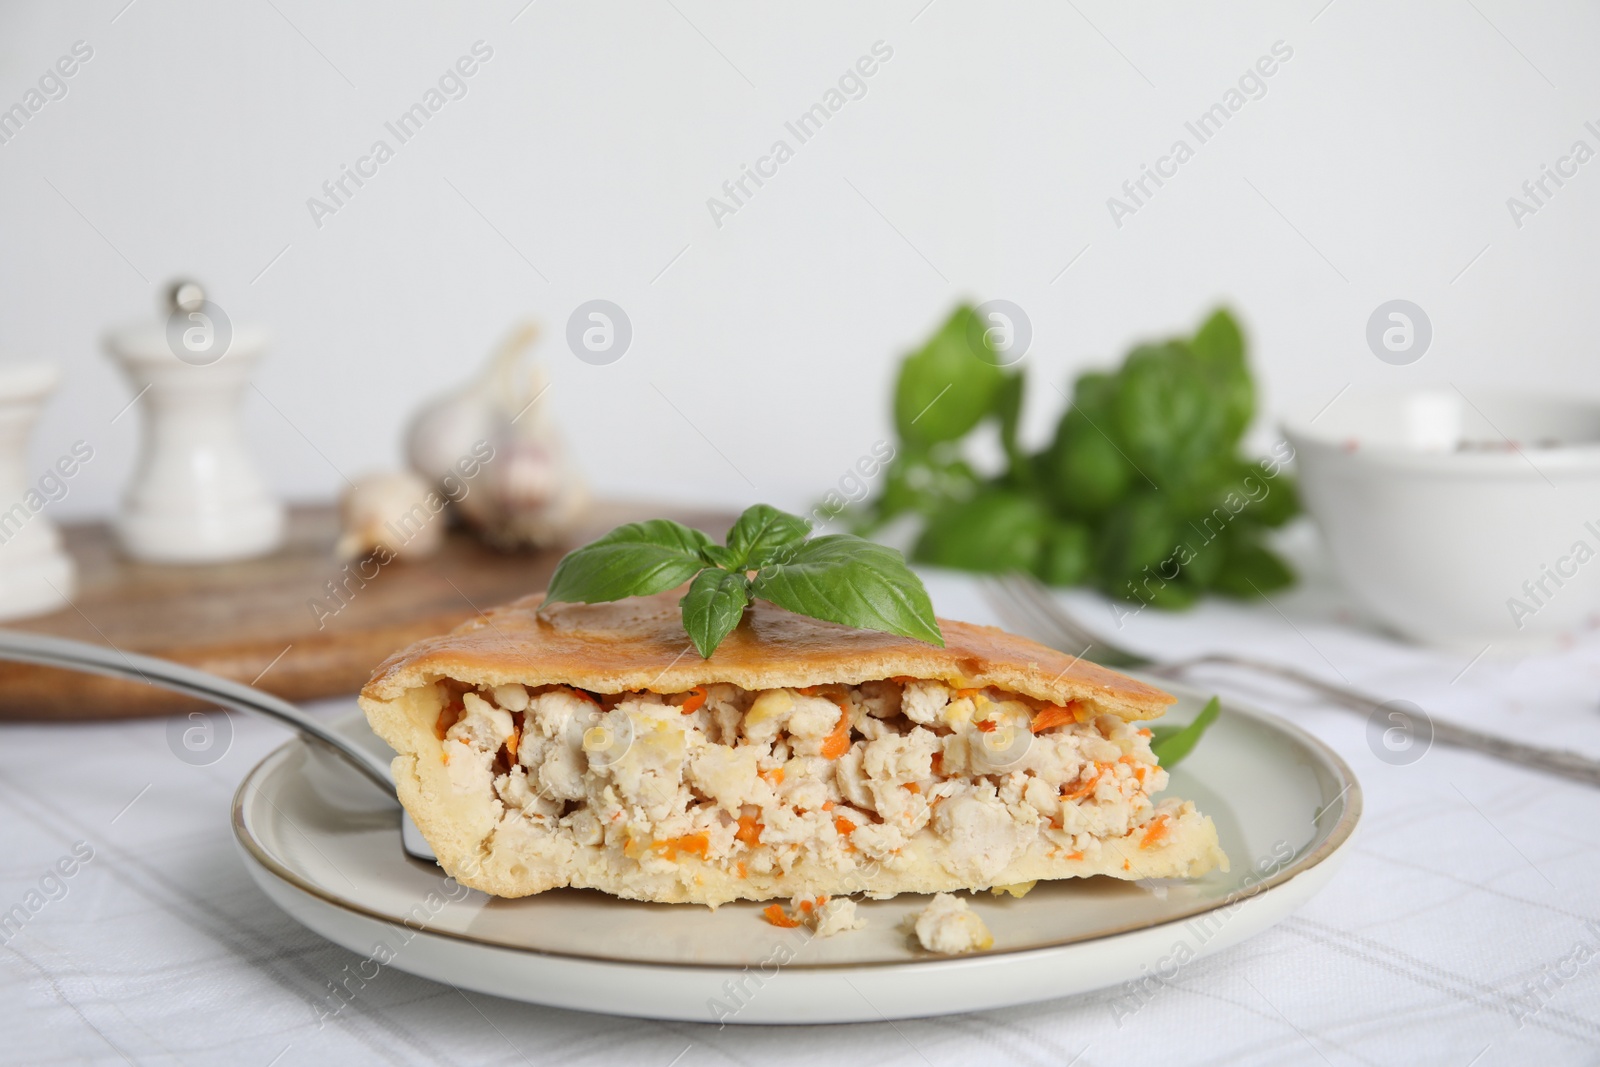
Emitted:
<point x="1464" y="929"/>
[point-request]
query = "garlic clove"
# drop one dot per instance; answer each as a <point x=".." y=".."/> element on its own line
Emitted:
<point x="528" y="492"/>
<point x="393" y="511"/>
<point x="446" y="427"/>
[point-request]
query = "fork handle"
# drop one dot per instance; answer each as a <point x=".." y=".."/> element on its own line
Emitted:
<point x="1556" y="761"/>
<point x="48" y="651"/>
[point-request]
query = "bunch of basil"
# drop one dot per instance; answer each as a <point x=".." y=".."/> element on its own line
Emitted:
<point x="1143" y="491"/>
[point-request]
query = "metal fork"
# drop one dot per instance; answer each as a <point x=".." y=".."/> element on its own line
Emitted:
<point x="1031" y="609"/>
<point x="48" y="651"/>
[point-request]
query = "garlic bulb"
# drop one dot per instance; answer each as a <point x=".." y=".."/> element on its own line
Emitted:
<point x="493" y="449"/>
<point x="393" y="513"/>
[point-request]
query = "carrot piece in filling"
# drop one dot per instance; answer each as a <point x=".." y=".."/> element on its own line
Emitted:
<point x="843" y="825"/>
<point x="837" y="743"/>
<point x="694" y="701"/>
<point x="694" y="844"/>
<point x="1140" y="770"/>
<point x="749" y="830"/>
<point x="1054" y="715"/>
<point x="1088" y="785"/>
<point x="1155" y="832"/>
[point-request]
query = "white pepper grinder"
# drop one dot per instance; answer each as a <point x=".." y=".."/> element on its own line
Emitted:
<point x="196" y="496"/>
<point x="36" y="575"/>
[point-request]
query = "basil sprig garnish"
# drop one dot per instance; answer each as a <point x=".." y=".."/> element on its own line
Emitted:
<point x="837" y="578"/>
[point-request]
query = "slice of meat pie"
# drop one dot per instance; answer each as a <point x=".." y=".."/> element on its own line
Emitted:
<point x="591" y="746"/>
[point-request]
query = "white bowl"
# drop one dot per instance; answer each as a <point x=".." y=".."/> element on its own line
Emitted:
<point x="1459" y="518"/>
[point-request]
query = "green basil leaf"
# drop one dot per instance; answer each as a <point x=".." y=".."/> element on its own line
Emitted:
<point x="1008" y="409"/>
<point x="713" y="606"/>
<point x="920" y="484"/>
<point x="637" y="559"/>
<point x="1137" y="547"/>
<point x="1274" y="498"/>
<point x="1168" y="418"/>
<point x="1208" y="548"/>
<point x="718" y="556"/>
<point x="1250" y="570"/>
<point x="1066" y="556"/>
<point x="760" y="533"/>
<point x="1175" y="594"/>
<point x="947" y="388"/>
<point x="1171" y="743"/>
<point x="1088" y="471"/>
<point x="845" y="579"/>
<point x="997" y="531"/>
<point x="1219" y="345"/>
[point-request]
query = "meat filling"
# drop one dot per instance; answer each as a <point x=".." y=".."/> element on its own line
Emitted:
<point x="755" y="782"/>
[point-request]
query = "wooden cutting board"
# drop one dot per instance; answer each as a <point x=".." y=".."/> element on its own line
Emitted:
<point x="259" y="621"/>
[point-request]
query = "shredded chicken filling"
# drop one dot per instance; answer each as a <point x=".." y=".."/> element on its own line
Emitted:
<point x="754" y="783"/>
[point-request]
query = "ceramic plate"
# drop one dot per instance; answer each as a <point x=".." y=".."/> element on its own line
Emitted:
<point x="325" y="846"/>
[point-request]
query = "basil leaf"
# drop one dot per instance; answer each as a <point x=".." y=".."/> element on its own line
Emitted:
<point x="1008" y="409"/>
<point x="637" y="559"/>
<point x="1067" y="555"/>
<point x="760" y="533"/>
<point x="1208" y="548"/>
<point x="1174" y="595"/>
<point x="718" y="556"/>
<point x="997" y="531"/>
<point x="1219" y="345"/>
<point x="920" y="484"/>
<point x="1274" y="499"/>
<point x="1087" y="471"/>
<point x="1137" y="545"/>
<point x="1168" y="419"/>
<point x="1171" y="743"/>
<point x="1249" y="570"/>
<point x="845" y="579"/>
<point x="947" y="388"/>
<point x="713" y="606"/>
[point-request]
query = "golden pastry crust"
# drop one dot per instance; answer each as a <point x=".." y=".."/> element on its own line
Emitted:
<point x="640" y="643"/>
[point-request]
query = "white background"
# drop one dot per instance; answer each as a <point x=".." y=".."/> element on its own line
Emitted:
<point x="977" y="165"/>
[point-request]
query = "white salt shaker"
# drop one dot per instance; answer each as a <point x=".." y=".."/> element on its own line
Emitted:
<point x="36" y="576"/>
<point x="196" y="496"/>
